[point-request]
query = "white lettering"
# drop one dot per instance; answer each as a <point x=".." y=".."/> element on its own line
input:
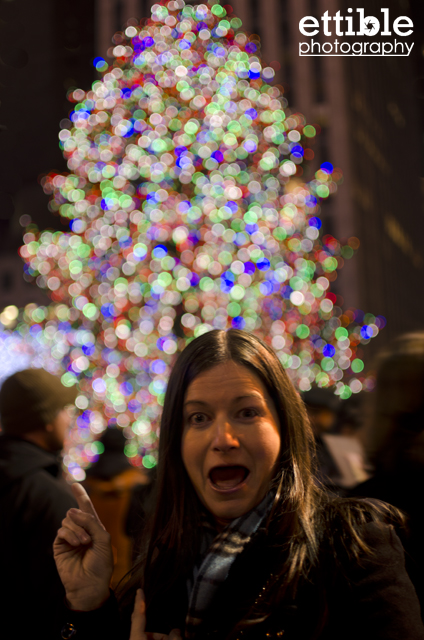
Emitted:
<point x="386" y="31"/>
<point x="387" y="48"/>
<point x="368" y="25"/>
<point x="309" y="22"/>
<point x="397" y="26"/>
<point x="326" y="19"/>
<point x="349" y="21"/>
<point x="301" y="51"/>
<point x="337" y="19"/>
<point x="409" y="48"/>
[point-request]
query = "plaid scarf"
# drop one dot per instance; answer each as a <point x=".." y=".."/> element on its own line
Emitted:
<point x="218" y="561"/>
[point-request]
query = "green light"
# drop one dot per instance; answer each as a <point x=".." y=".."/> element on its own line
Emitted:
<point x="131" y="450"/>
<point x="206" y="284"/>
<point x="68" y="379"/>
<point x="75" y="266"/>
<point x="149" y="462"/>
<point x="309" y="131"/>
<point x="346" y="392"/>
<point x="302" y="331"/>
<point x="233" y="309"/>
<point x="327" y="364"/>
<point x="217" y="10"/>
<point x="97" y="447"/>
<point x="341" y="333"/>
<point x="357" y="365"/>
<point x="347" y="252"/>
<point x="323" y="191"/>
<point x="90" y="311"/>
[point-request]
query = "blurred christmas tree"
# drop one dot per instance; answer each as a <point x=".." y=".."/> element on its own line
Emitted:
<point x="188" y="212"/>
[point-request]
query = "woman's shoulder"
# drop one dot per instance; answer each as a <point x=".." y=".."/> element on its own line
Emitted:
<point x="351" y="528"/>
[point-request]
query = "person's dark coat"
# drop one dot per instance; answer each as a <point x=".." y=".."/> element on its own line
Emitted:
<point x="402" y="488"/>
<point x="372" y="600"/>
<point x="34" y="499"/>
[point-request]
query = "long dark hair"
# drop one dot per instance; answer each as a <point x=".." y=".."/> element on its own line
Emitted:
<point x="173" y="540"/>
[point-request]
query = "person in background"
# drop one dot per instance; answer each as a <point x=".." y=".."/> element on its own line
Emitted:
<point x="140" y="510"/>
<point x="109" y="484"/>
<point x="350" y="415"/>
<point x="34" y="498"/>
<point x="322" y="407"/>
<point x="394" y="441"/>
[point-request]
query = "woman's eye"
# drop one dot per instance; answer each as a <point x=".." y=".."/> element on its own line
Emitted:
<point x="248" y="413"/>
<point x="198" y="418"/>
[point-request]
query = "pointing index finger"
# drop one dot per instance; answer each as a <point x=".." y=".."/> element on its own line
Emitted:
<point x="83" y="500"/>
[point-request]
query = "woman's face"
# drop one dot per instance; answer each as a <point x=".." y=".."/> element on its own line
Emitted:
<point x="231" y="440"/>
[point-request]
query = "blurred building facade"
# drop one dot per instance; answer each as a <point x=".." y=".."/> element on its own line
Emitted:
<point x="367" y="111"/>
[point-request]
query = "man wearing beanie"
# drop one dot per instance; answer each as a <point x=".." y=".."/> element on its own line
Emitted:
<point x="34" y="499"/>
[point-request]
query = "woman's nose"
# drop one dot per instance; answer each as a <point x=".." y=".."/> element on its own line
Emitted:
<point x="224" y="437"/>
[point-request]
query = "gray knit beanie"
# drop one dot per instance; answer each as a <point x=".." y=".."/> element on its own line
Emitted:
<point x="30" y="399"/>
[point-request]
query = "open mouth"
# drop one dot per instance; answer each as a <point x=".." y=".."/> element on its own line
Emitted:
<point x="229" y="477"/>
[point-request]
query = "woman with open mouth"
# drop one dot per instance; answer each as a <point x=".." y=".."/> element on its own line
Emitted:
<point x="243" y="543"/>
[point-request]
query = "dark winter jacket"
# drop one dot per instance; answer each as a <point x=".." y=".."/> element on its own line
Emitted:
<point x="402" y="488"/>
<point x="372" y="600"/>
<point x="33" y="501"/>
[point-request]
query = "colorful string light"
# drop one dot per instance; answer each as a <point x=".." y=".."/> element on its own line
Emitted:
<point x="188" y="212"/>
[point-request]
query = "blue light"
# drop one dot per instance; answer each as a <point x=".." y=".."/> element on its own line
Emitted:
<point x="126" y="388"/>
<point x="263" y="264"/>
<point x="252" y="113"/>
<point x="99" y="63"/>
<point x="366" y="332"/>
<point x="158" y="366"/>
<point x="311" y="202"/>
<point x="250" y="146"/>
<point x="218" y="156"/>
<point x="328" y="351"/>
<point x="297" y="151"/>
<point x="265" y="288"/>
<point x="238" y="322"/>
<point x="88" y="349"/>
<point x="107" y="310"/>
<point x="160" y="251"/>
<point x="315" y="222"/>
<point x="327" y="167"/>
<point x="126" y="92"/>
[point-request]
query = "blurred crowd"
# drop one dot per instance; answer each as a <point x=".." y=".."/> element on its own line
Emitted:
<point x="370" y="445"/>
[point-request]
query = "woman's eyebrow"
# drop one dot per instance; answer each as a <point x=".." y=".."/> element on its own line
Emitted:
<point x="202" y="402"/>
<point x="253" y="394"/>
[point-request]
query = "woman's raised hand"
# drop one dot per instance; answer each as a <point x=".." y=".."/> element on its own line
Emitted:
<point x="138" y="623"/>
<point x="83" y="555"/>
